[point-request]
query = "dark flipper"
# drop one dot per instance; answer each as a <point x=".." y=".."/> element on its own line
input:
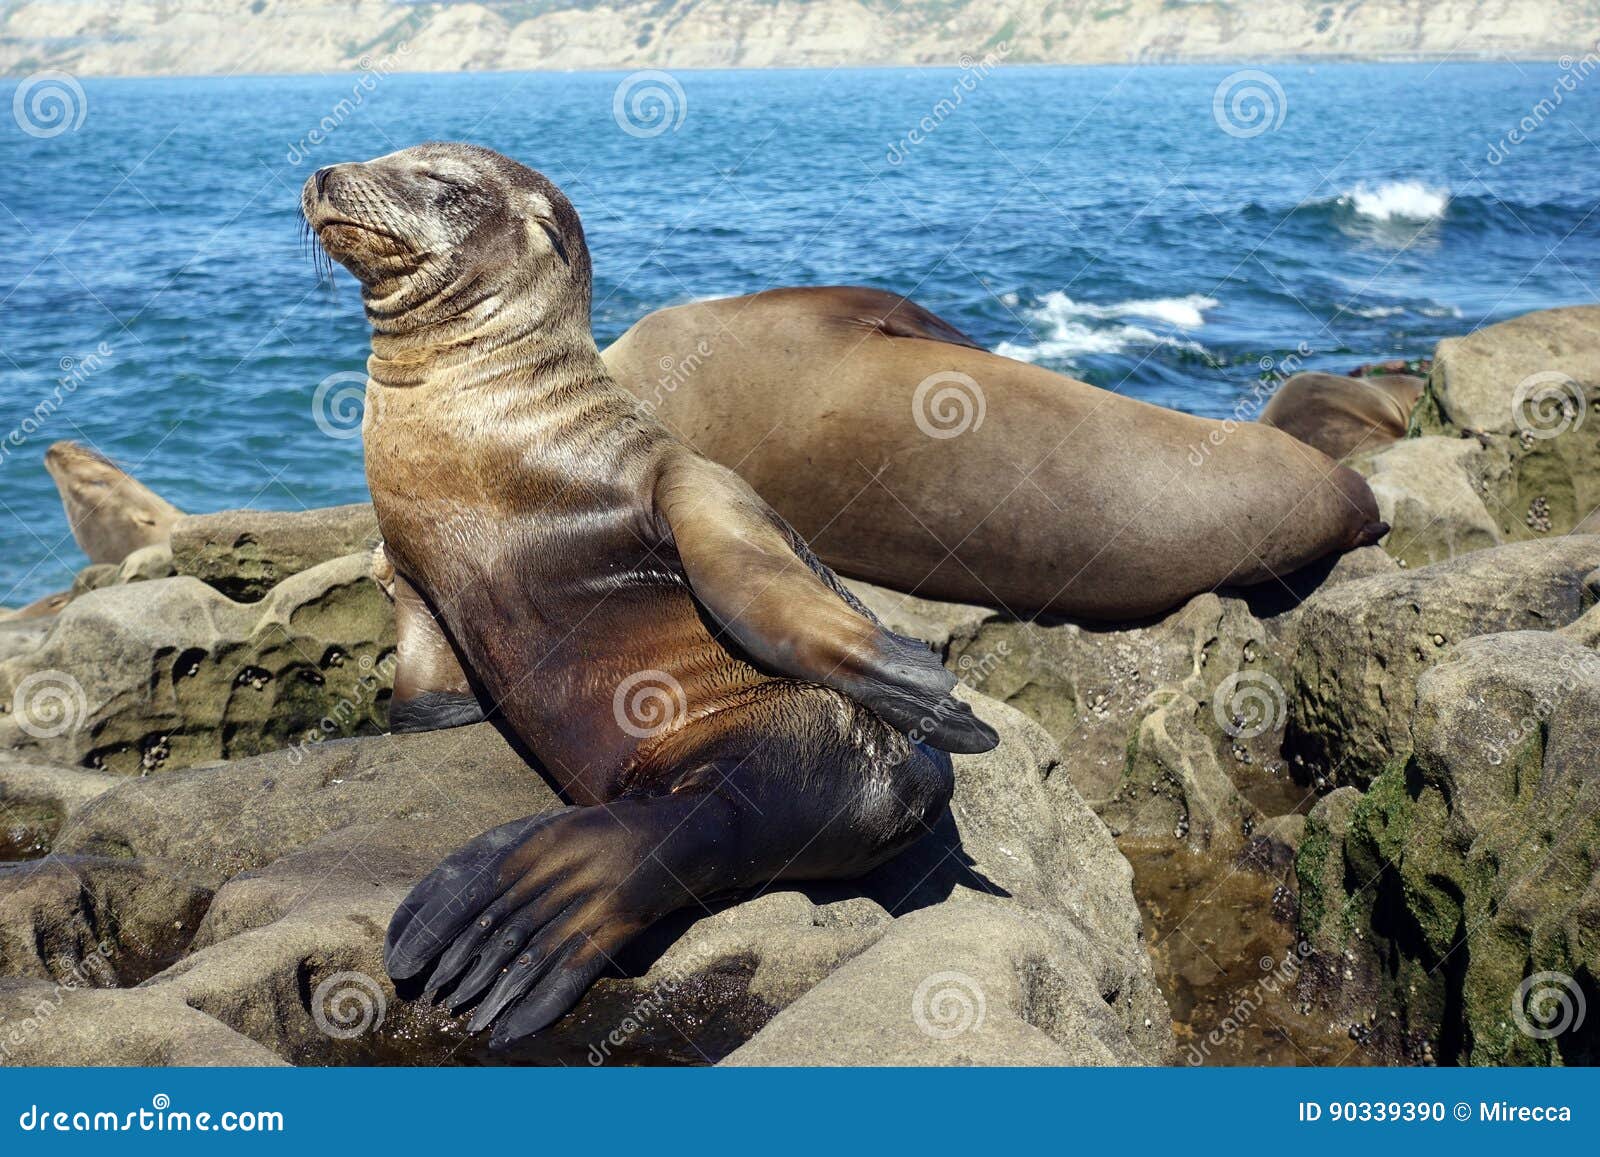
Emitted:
<point x="434" y="711"/>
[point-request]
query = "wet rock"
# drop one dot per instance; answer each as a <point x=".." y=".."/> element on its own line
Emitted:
<point x="37" y="800"/>
<point x="245" y="553"/>
<point x="154" y="675"/>
<point x="1363" y="645"/>
<point x="1468" y="904"/>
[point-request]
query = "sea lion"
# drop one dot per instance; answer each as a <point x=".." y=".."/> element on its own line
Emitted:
<point x="718" y="708"/>
<point x="1340" y="415"/>
<point x="910" y="458"/>
<point x="111" y="513"/>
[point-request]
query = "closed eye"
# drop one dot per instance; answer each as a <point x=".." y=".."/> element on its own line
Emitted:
<point x="443" y="180"/>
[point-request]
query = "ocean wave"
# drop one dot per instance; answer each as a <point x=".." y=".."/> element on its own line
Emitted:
<point x="1068" y="326"/>
<point x="1408" y="201"/>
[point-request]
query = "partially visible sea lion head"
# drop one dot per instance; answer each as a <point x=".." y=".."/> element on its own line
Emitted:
<point x="112" y="514"/>
<point x="444" y="236"/>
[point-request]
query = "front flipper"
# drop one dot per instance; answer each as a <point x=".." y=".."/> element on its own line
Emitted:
<point x="431" y="688"/>
<point x="744" y="571"/>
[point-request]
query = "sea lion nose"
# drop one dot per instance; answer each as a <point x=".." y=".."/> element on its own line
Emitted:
<point x="321" y="177"/>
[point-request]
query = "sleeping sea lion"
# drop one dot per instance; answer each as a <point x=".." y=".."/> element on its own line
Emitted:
<point x="1340" y="415"/>
<point x="909" y="457"/>
<point x="718" y="708"/>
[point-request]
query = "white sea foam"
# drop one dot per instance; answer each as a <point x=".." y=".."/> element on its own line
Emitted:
<point x="1068" y="330"/>
<point x="1397" y="201"/>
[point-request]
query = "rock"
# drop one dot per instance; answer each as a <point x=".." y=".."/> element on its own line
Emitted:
<point x="38" y="799"/>
<point x="113" y="921"/>
<point x="169" y="673"/>
<point x="1175" y="784"/>
<point x="1468" y="902"/>
<point x="148" y="562"/>
<point x="19" y="636"/>
<point x="57" y="1024"/>
<point x="245" y="553"/>
<point x="1363" y="645"/>
<point x="1475" y="379"/>
<point x="1526" y="389"/>
<point x="1433" y="492"/>
<point x="310" y="850"/>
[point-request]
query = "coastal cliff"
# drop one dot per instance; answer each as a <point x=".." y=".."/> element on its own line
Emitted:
<point x="220" y="37"/>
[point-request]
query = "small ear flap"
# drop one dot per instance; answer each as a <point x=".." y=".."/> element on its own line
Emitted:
<point x="555" y="242"/>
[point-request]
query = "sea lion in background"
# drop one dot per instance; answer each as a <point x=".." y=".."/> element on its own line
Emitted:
<point x="112" y="514"/>
<point x="48" y="605"/>
<point x="661" y="641"/>
<point x="1340" y="415"/>
<point x="911" y="458"/>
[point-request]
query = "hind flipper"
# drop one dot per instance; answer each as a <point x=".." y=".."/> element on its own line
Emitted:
<point x="431" y="687"/>
<point x="523" y="919"/>
<point x="776" y="606"/>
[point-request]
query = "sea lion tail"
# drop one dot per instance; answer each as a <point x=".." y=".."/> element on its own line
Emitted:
<point x="1369" y="534"/>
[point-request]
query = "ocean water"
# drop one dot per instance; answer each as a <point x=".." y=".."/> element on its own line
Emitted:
<point x="1163" y="232"/>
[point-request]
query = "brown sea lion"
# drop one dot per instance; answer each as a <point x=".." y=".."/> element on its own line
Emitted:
<point x="1340" y="415"/>
<point x="112" y="514"/>
<point x="720" y="709"/>
<point x="910" y="458"/>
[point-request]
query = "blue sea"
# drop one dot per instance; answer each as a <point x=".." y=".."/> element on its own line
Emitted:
<point x="1161" y="231"/>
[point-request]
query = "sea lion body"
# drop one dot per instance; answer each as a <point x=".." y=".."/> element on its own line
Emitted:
<point x="908" y="457"/>
<point x="1340" y="415"/>
<point x="721" y="711"/>
<point x="111" y="513"/>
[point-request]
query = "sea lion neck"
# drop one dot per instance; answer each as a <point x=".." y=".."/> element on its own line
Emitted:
<point x="493" y="341"/>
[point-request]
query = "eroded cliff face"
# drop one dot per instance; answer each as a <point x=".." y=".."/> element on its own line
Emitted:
<point x="203" y="37"/>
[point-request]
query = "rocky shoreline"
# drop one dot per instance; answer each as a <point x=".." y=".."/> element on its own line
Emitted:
<point x="1360" y="808"/>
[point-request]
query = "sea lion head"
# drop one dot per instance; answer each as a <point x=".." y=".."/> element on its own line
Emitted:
<point x="112" y="514"/>
<point x="443" y="232"/>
